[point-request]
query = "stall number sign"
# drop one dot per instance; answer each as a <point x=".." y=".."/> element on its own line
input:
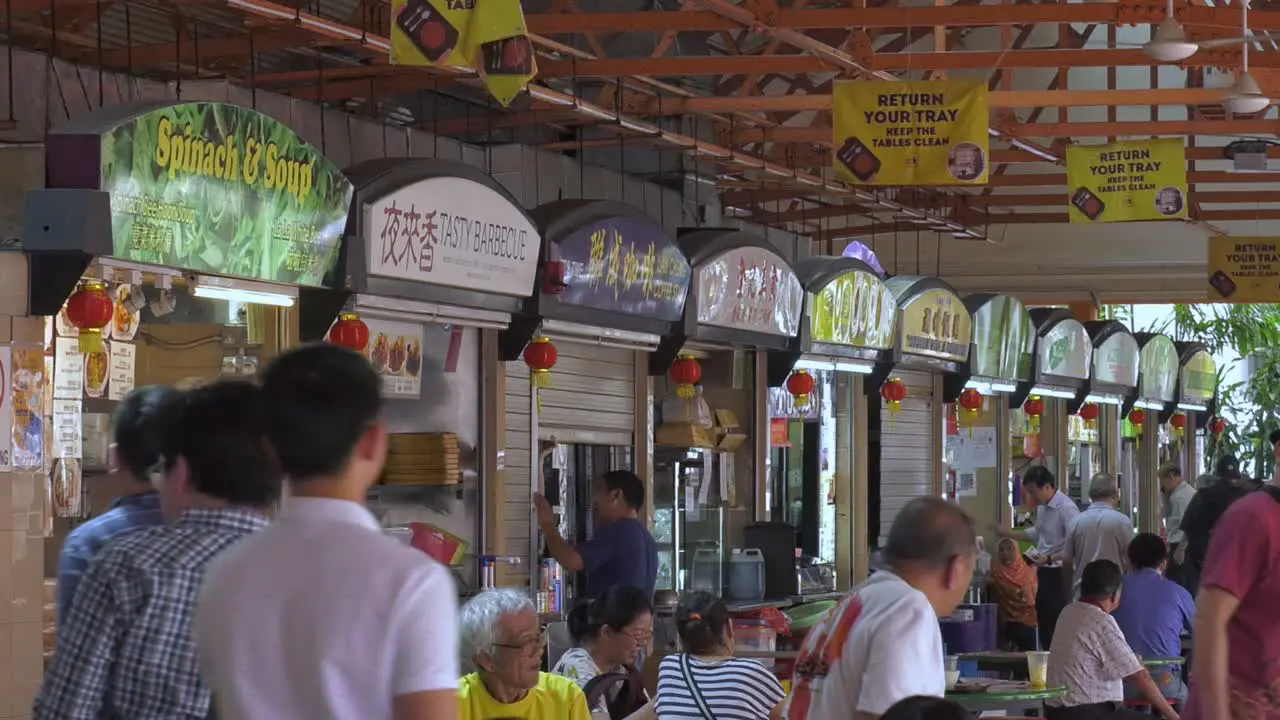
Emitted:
<point x="750" y="289"/>
<point x="455" y="232"/>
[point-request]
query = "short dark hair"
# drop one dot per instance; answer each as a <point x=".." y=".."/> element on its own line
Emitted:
<point x="320" y="400"/>
<point x="929" y="531"/>
<point x="1101" y="579"/>
<point x="923" y="707"/>
<point x="137" y="427"/>
<point x="218" y="430"/>
<point x="1040" y="476"/>
<point x="1227" y="467"/>
<point x="1169" y="470"/>
<point x="617" y="608"/>
<point x="701" y="621"/>
<point x="1274" y="437"/>
<point x="628" y="483"/>
<point x="1147" y="550"/>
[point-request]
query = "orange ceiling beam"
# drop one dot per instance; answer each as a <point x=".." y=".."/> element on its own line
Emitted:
<point x="1050" y="130"/>
<point x="950" y="60"/>
<point x="1130" y="12"/>
<point x="1194" y="177"/>
<point x="207" y="50"/>
<point x="1218" y="197"/>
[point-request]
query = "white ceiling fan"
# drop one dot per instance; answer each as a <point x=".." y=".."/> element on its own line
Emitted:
<point x="1170" y="43"/>
<point x="1244" y="97"/>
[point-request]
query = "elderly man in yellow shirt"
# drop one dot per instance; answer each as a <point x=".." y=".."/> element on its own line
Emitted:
<point x="502" y="642"/>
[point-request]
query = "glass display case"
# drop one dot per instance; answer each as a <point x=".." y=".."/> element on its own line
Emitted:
<point x="691" y="504"/>
<point x="1086" y="457"/>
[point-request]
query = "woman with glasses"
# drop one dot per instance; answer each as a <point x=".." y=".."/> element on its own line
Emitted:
<point x="502" y="646"/>
<point x="610" y="634"/>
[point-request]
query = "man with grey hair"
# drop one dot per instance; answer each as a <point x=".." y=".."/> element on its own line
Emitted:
<point x="882" y="643"/>
<point x="1101" y="532"/>
<point x="501" y="644"/>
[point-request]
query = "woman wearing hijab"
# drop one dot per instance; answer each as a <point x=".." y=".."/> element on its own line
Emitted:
<point x="1013" y="582"/>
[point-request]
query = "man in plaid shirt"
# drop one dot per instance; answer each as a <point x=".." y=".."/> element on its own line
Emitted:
<point x="126" y="650"/>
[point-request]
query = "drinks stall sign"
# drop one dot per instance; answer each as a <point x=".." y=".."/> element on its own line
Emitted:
<point x="750" y="288"/>
<point x="1199" y="378"/>
<point x="1116" y="361"/>
<point x="1065" y="351"/>
<point x="936" y="324"/>
<point x="455" y="232"/>
<point x="855" y="309"/>
<point x="1158" y="361"/>
<point x="209" y="187"/>
<point x="1003" y="340"/>
<point x="624" y="264"/>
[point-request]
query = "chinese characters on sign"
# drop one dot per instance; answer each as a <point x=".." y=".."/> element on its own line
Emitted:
<point x="752" y="289"/>
<point x="452" y="231"/>
<point x="936" y="324"/>
<point x="624" y="264"/>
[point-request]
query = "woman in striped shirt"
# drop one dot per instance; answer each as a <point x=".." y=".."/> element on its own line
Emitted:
<point x="705" y="682"/>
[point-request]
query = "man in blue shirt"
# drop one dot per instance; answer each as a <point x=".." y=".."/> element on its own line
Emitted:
<point x="1154" y="611"/>
<point x="135" y="451"/>
<point x="621" y="552"/>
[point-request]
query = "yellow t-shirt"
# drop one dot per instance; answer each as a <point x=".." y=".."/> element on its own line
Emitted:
<point x="553" y="698"/>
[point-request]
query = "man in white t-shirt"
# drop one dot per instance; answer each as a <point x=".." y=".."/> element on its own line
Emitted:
<point x="322" y="615"/>
<point x="882" y="643"/>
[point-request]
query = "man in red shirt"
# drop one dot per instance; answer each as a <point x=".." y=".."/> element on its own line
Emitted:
<point x="1236" y="673"/>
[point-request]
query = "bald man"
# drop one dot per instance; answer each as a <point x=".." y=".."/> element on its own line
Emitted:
<point x="882" y="644"/>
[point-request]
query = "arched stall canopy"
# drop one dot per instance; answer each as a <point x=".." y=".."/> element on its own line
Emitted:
<point x="1116" y="363"/>
<point x="1063" y="357"/>
<point x="1157" y="373"/>
<point x="221" y="198"/>
<point x="610" y="276"/>
<point x="743" y="295"/>
<point x="1197" y="382"/>
<point x="428" y="241"/>
<point x="852" y="315"/>
<point x="934" y="329"/>
<point x="1001" y="353"/>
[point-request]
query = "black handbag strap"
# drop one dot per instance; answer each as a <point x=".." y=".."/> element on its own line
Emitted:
<point x="694" y="692"/>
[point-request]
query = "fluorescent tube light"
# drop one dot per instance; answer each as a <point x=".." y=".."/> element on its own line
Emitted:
<point x="827" y="363"/>
<point x="1053" y="392"/>
<point x="991" y="387"/>
<point x="1148" y="404"/>
<point x="242" y="296"/>
<point x="1192" y="407"/>
<point x="1104" y="399"/>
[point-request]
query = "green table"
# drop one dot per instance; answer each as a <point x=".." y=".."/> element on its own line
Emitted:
<point x="1018" y="700"/>
<point x="1163" y="661"/>
<point x="1007" y="663"/>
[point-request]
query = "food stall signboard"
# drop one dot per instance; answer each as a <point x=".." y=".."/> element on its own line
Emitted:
<point x="936" y="324"/>
<point x="1199" y="378"/>
<point x="1158" y="361"/>
<point x="855" y="309"/>
<point x="1003" y="340"/>
<point x="1116" y="361"/>
<point x="750" y="288"/>
<point x="1244" y="269"/>
<point x="455" y="232"/>
<point x="1065" y="351"/>
<point x="210" y="187"/>
<point x="624" y="264"/>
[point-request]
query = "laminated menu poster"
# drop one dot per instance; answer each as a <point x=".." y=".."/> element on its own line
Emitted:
<point x="928" y="132"/>
<point x="395" y="350"/>
<point x="1124" y="181"/>
<point x="28" y="387"/>
<point x="6" y="409"/>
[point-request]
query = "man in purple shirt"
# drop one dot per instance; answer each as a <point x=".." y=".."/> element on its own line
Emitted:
<point x="136" y="428"/>
<point x="621" y="552"/>
<point x="1154" y="611"/>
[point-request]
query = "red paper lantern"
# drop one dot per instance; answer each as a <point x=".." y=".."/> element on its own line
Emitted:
<point x="800" y="385"/>
<point x="685" y="373"/>
<point x="1217" y="425"/>
<point x="1179" y="424"/>
<point x="350" y="332"/>
<point x="970" y="402"/>
<point x="1034" y="408"/>
<point x="540" y="355"/>
<point x="893" y="392"/>
<point x="90" y="309"/>
<point x="1089" y="413"/>
<point x="1138" y="419"/>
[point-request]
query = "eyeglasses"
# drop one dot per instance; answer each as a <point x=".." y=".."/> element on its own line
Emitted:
<point x="529" y="648"/>
<point x="640" y="638"/>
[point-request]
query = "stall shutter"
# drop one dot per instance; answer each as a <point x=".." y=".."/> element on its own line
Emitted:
<point x="909" y="442"/>
<point x="591" y="401"/>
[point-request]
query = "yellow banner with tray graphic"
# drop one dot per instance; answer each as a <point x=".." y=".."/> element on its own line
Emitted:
<point x="489" y="37"/>
<point x="1125" y="181"/>
<point x="928" y="132"/>
<point x="1244" y="269"/>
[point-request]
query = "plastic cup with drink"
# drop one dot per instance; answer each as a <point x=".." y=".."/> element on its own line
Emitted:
<point x="1038" y="669"/>
<point x="953" y="671"/>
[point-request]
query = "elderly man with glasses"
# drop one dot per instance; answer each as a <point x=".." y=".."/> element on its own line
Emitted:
<point x="502" y="642"/>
